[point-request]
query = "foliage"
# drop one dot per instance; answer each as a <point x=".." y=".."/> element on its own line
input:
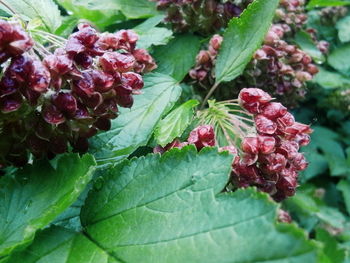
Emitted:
<point x="169" y="180"/>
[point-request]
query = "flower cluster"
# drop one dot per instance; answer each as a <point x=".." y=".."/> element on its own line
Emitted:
<point x="282" y="67"/>
<point x="291" y="13"/>
<point x="203" y="16"/>
<point x="68" y="95"/>
<point x="268" y="156"/>
<point x="205" y="61"/>
<point x="330" y="15"/>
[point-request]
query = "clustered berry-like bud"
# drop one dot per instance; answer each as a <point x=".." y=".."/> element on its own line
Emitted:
<point x="268" y="156"/>
<point x="69" y="95"/>
<point x="201" y="137"/>
<point x="292" y="13"/>
<point x="270" y="159"/>
<point x="330" y="15"/>
<point x="203" y="16"/>
<point x="205" y="61"/>
<point x="283" y="216"/>
<point x="282" y="67"/>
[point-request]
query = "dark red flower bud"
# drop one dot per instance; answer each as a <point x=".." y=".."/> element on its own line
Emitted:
<point x="114" y="61"/>
<point x="299" y="162"/>
<point x="266" y="144"/>
<point x="132" y="80"/>
<point x="65" y="102"/>
<point x="52" y="114"/>
<point x="250" y="145"/>
<point x="265" y="125"/>
<point x="288" y="148"/>
<point x="273" y="110"/>
<point x="202" y="136"/>
<point x="252" y="95"/>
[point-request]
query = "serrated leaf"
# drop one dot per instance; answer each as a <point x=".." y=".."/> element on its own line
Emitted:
<point x="344" y="187"/>
<point x="242" y="38"/>
<point x="175" y="123"/>
<point x="46" y="10"/>
<point x="60" y="245"/>
<point x="169" y="209"/>
<point x="102" y="13"/>
<point x="36" y="195"/>
<point x="343" y="26"/>
<point x="339" y="58"/>
<point x="133" y="128"/>
<point x="305" y="42"/>
<point x="171" y="58"/>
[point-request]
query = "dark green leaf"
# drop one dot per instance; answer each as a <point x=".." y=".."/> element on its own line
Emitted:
<point x="330" y="80"/>
<point x="332" y="253"/>
<point x="133" y="128"/>
<point x="169" y="209"/>
<point x="344" y="187"/>
<point x="243" y="37"/>
<point x="175" y="123"/>
<point x="37" y="195"/>
<point x="305" y="42"/>
<point x="45" y="10"/>
<point x="171" y="58"/>
<point x="137" y="8"/>
<point x="60" y="245"/>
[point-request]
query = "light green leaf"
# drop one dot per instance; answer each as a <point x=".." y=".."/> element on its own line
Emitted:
<point x="330" y="80"/>
<point x="171" y="58"/>
<point x="325" y="3"/>
<point x="305" y="42"/>
<point x="150" y="35"/>
<point x="133" y="128"/>
<point x="175" y="123"/>
<point x="343" y="26"/>
<point x="331" y="216"/>
<point x="169" y="209"/>
<point x="46" y="10"/>
<point x="137" y="8"/>
<point x="37" y="195"/>
<point x="344" y="187"/>
<point x="243" y="37"/>
<point x="59" y="245"/>
<point x="332" y="253"/>
<point x="102" y="13"/>
<point x="339" y="58"/>
<point x="67" y="27"/>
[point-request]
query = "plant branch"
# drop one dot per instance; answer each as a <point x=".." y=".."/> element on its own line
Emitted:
<point x="211" y="91"/>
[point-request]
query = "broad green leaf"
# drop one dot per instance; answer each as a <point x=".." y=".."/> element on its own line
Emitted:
<point x="343" y="26"/>
<point x="133" y="128"/>
<point x="37" y="195"/>
<point x="102" y="13"/>
<point x="331" y="216"/>
<point x="332" y="253"/>
<point x="344" y="187"/>
<point x="325" y="3"/>
<point x="60" y="245"/>
<point x="150" y="35"/>
<point x="169" y="209"/>
<point x="178" y="56"/>
<point x="137" y="8"/>
<point x="45" y="10"/>
<point x="339" y="58"/>
<point x="330" y="80"/>
<point x="67" y="27"/>
<point x="243" y="37"/>
<point x="175" y="123"/>
<point x="305" y="42"/>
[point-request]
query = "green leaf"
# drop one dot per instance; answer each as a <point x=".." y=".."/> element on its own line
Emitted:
<point x="305" y="42"/>
<point x="243" y="37"/>
<point x="339" y="58"/>
<point x="133" y="128"/>
<point x="67" y="27"/>
<point x="175" y="123"/>
<point x="332" y="253"/>
<point x="59" y="245"/>
<point x="325" y="3"/>
<point x="45" y="10"/>
<point x="137" y="8"/>
<point x="330" y="80"/>
<point x="102" y="13"/>
<point x="171" y="58"/>
<point x="344" y="187"/>
<point x="169" y="209"/>
<point x="150" y="35"/>
<point x="38" y="194"/>
<point x="343" y="26"/>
